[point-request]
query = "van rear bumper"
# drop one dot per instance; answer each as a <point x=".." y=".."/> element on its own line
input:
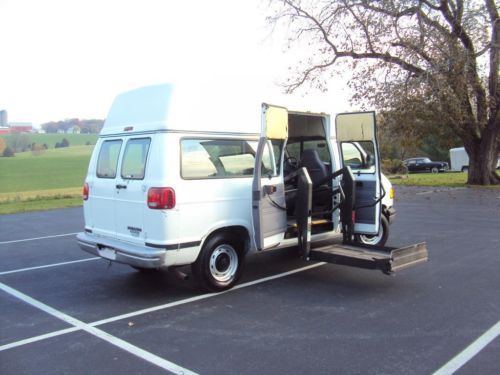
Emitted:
<point x="122" y="252"/>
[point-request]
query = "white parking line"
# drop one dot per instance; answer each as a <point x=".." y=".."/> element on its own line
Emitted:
<point x="122" y="344"/>
<point x="156" y="308"/>
<point x="39" y="238"/>
<point x="38" y="338"/>
<point x="468" y="353"/>
<point x="48" y="266"/>
<point x="202" y="296"/>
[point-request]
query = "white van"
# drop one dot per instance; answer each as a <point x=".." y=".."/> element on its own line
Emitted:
<point x="174" y="182"/>
<point x="460" y="160"/>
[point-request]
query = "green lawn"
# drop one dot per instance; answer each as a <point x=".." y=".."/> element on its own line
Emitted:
<point x="54" y="169"/>
<point x="51" y="180"/>
<point x="55" y="178"/>
<point x="39" y="204"/>
<point x="448" y="179"/>
<point x="52" y="139"/>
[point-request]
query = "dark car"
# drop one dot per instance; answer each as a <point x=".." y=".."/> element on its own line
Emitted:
<point x="425" y="165"/>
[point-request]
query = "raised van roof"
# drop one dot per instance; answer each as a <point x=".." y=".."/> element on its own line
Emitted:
<point x="196" y="107"/>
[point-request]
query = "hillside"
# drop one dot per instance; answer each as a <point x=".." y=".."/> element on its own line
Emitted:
<point x="54" y="169"/>
<point x="52" y="139"/>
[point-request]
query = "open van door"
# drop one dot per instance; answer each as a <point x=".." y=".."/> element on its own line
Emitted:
<point x="268" y="188"/>
<point x="357" y="142"/>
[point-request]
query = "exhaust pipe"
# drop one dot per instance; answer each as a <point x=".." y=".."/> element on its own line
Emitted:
<point x="178" y="273"/>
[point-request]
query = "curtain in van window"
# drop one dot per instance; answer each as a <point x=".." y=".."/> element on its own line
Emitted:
<point x="134" y="159"/>
<point x="220" y="158"/>
<point x="107" y="161"/>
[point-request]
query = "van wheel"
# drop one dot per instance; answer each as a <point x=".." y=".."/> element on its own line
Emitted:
<point x="219" y="264"/>
<point x="379" y="239"/>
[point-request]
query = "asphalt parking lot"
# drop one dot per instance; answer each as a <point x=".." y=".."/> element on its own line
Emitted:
<point x="64" y="311"/>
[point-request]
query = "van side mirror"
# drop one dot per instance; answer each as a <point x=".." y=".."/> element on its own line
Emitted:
<point x="369" y="161"/>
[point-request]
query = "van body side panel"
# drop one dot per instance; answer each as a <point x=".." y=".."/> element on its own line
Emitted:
<point x="88" y="205"/>
<point x="207" y="205"/>
<point x="161" y="227"/>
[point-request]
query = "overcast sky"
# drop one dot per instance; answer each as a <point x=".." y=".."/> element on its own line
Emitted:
<point x="64" y="59"/>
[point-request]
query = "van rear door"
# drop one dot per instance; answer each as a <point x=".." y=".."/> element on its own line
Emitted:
<point x="101" y="202"/>
<point x="268" y="188"/>
<point x="131" y="190"/>
<point x="357" y="141"/>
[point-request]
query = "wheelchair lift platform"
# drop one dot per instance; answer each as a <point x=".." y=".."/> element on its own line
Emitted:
<point x="347" y="251"/>
<point x="386" y="259"/>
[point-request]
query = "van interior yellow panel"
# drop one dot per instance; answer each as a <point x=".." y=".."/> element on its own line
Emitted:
<point x="276" y="123"/>
<point x="355" y="126"/>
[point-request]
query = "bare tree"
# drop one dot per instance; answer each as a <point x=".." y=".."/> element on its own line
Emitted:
<point x="424" y="60"/>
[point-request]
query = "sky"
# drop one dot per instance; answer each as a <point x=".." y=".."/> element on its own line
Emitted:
<point x="67" y="59"/>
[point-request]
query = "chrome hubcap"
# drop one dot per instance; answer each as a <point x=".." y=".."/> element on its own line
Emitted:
<point x="372" y="240"/>
<point x="223" y="263"/>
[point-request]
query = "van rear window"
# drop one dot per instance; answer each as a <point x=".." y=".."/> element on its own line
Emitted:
<point x="134" y="158"/>
<point x="108" y="158"/>
<point x="221" y="158"/>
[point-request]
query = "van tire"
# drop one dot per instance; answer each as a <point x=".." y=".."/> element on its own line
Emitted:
<point x="378" y="240"/>
<point x="219" y="264"/>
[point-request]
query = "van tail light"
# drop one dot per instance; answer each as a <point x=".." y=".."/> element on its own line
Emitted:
<point x="161" y="198"/>
<point x="85" y="191"/>
<point x="353" y="216"/>
<point x="392" y="193"/>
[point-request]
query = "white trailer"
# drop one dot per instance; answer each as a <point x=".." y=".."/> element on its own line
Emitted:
<point x="459" y="159"/>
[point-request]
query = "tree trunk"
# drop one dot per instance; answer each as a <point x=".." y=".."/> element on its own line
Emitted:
<point x="482" y="162"/>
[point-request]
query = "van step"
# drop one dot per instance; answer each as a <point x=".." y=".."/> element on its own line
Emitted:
<point x="293" y="224"/>
<point x="386" y="259"/>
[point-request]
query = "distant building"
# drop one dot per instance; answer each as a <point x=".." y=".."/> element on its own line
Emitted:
<point x="3" y="118"/>
<point x="20" y="127"/>
<point x="4" y="130"/>
<point x="75" y="129"/>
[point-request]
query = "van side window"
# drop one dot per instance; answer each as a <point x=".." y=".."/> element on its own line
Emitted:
<point x="134" y="158"/>
<point x="277" y="148"/>
<point x="220" y="158"/>
<point x="360" y="156"/>
<point x="108" y="158"/>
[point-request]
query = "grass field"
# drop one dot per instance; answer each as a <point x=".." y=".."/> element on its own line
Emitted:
<point x="54" y="169"/>
<point x="448" y="179"/>
<point x="55" y="178"/>
<point x="51" y="180"/>
<point x="52" y="139"/>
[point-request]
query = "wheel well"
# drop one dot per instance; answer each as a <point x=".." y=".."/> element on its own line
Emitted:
<point x="384" y="212"/>
<point x="237" y="232"/>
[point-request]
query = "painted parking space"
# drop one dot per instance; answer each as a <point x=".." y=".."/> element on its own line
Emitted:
<point x="38" y="253"/>
<point x="485" y="362"/>
<point x="20" y="321"/>
<point x="319" y="319"/>
<point x="40" y="224"/>
<point x="75" y="353"/>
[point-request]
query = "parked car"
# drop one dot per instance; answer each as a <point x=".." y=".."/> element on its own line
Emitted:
<point x="425" y="165"/>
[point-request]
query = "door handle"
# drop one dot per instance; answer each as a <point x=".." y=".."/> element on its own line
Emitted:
<point x="270" y="189"/>
<point x="121" y="186"/>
